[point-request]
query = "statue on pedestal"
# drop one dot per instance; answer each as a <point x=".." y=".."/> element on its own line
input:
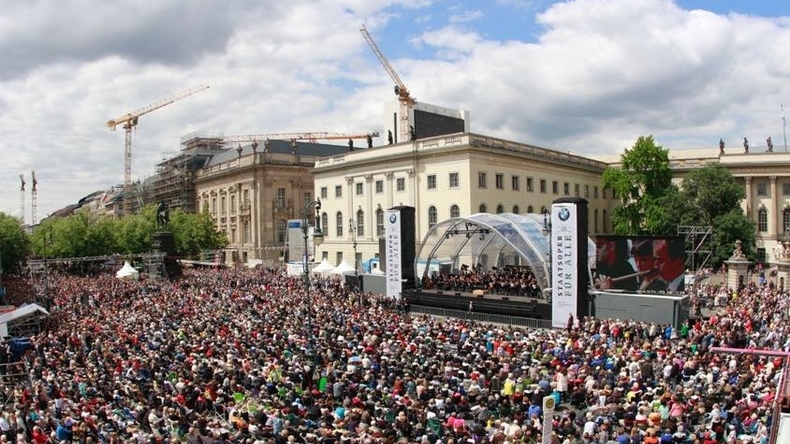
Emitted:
<point x="162" y="215"/>
<point x="786" y="251"/>
<point x="737" y="254"/>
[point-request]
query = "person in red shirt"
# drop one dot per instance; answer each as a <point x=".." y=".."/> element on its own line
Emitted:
<point x="39" y="437"/>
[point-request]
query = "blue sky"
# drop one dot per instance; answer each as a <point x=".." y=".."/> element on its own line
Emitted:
<point x="584" y="76"/>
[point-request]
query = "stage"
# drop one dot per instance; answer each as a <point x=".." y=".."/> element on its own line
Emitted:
<point x="520" y="306"/>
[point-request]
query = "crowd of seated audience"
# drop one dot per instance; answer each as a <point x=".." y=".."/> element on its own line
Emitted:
<point x="507" y="281"/>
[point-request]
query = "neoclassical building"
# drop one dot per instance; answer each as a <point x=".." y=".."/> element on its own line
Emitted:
<point x="444" y="177"/>
<point x="252" y="191"/>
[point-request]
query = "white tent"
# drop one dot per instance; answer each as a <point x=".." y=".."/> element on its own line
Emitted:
<point x="323" y="268"/>
<point x="127" y="272"/>
<point x="342" y="268"/>
<point x="22" y="321"/>
<point x="376" y="271"/>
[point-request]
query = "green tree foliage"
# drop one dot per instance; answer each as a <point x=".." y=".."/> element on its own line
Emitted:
<point x="78" y="235"/>
<point x="728" y="228"/>
<point x="195" y="232"/>
<point x="643" y="178"/>
<point x="135" y="231"/>
<point x="14" y="244"/>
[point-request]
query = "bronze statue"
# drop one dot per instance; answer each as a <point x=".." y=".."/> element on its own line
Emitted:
<point x="162" y="215"/>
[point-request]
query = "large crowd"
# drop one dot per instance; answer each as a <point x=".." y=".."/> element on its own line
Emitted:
<point x="242" y="356"/>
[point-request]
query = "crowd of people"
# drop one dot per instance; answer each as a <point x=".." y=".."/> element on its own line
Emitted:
<point x="242" y="356"/>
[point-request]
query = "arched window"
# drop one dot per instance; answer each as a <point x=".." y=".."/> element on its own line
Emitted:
<point x="483" y="208"/>
<point x="455" y="211"/>
<point x="605" y="222"/>
<point x="339" y="224"/>
<point x="543" y="210"/>
<point x="762" y="220"/>
<point x="500" y="209"/>
<point x="360" y="223"/>
<point x="379" y="222"/>
<point x="515" y="209"/>
<point x="325" y="224"/>
<point x="530" y="209"/>
<point x="595" y="224"/>
<point x="432" y="216"/>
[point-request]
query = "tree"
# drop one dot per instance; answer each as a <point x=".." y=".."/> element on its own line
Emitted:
<point x="194" y="233"/>
<point x="77" y="235"/>
<point x="643" y="178"/>
<point x="14" y="245"/>
<point x="728" y="228"/>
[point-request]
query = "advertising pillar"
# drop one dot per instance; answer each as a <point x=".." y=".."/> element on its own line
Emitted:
<point x="569" y="260"/>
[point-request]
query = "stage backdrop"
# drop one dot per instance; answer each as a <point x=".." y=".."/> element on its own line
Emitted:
<point x="640" y="263"/>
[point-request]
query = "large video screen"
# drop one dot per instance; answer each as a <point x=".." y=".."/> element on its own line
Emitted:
<point x="640" y="263"/>
<point x="427" y="124"/>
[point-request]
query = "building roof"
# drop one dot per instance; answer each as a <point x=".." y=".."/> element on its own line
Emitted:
<point x="281" y="147"/>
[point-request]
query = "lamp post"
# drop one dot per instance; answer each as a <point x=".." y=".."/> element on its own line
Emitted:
<point x="353" y="230"/>
<point x="318" y="239"/>
<point x="547" y="232"/>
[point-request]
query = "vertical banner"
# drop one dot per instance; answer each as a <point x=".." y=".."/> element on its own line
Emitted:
<point x="564" y="263"/>
<point x="295" y="241"/>
<point x="393" y="253"/>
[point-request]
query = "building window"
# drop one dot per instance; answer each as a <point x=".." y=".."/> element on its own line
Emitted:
<point x="595" y="218"/>
<point x="222" y="206"/>
<point x="324" y="193"/>
<point x="324" y="255"/>
<point x="595" y="192"/>
<point x="432" y="216"/>
<point x="499" y="178"/>
<point x="431" y="181"/>
<point x="454" y="182"/>
<point x="400" y="184"/>
<point x="281" y="197"/>
<point x="360" y="223"/>
<point x="308" y="197"/>
<point x="586" y="191"/>
<point x="762" y="189"/>
<point x="530" y="209"/>
<point x="761" y="255"/>
<point x="576" y="190"/>
<point x="481" y="180"/>
<point x="325" y="224"/>
<point x="603" y="193"/>
<point x="247" y="232"/>
<point x="483" y="208"/>
<point x="515" y="182"/>
<point x="338" y="191"/>
<point x="339" y="224"/>
<point x="566" y="189"/>
<point x="786" y="189"/>
<point x="338" y="257"/>
<point x="555" y="187"/>
<point x="543" y="186"/>
<point x="515" y="209"/>
<point x="786" y="220"/>
<point x="455" y="211"/>
<point x="379" y="186"/>
<point x="500" y="209"/>
<point x="213" y="205"/>
<point x="233" y="204"/>
<point x="762" y="220"/>
<point x="529" y="184"/>
<point x="604" y="222"/>
<point x="359" y="187"/>
<point x="380" y="223"/>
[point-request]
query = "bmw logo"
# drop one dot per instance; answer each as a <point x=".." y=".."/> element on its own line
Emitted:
<point x="565" y="214"/>
<point x="393" y="218"/>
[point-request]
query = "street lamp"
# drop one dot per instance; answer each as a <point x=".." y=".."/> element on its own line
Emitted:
<point x="318" y="239"/>
<point x="353" y="230"/>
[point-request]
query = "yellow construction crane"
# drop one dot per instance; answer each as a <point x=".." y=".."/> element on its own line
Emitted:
<point x="129" y="121"/>
<point x="293" y="137"/>
<point x="405" y="99"/>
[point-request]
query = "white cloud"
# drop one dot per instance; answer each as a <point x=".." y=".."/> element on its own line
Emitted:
<point x="599" y="74"/>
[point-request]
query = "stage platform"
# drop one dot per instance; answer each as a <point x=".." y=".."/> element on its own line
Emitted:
<point x="481" y="303"/>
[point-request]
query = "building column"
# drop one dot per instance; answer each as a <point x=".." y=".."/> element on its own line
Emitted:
<point x="748" y="180"/>
<point x="369" y="213"/>
<point x="390" y="175"/>
<point x="777" y="221"/>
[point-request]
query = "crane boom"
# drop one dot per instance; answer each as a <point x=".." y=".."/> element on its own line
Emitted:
<point x="404" y="97"/>
<point x="129" y="121"/>
<point x="310" y="136"/>
<point x="132" y="116"/>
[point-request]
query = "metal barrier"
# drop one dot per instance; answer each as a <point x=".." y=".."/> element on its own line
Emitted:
<point x="485" y="318"/>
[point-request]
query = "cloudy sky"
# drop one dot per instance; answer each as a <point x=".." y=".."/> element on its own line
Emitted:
<point x="586" y="76"/>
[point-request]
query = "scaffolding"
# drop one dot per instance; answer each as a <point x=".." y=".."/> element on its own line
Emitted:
<point x="696" y="237"/>
<point x="173" y="182"/>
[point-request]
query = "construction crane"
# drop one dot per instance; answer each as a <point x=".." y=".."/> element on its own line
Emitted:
<point x="293" y="137"/>
<point x="22" y="199"/>
<point x="129" y="121"/>
<point x="405" y="132"/>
